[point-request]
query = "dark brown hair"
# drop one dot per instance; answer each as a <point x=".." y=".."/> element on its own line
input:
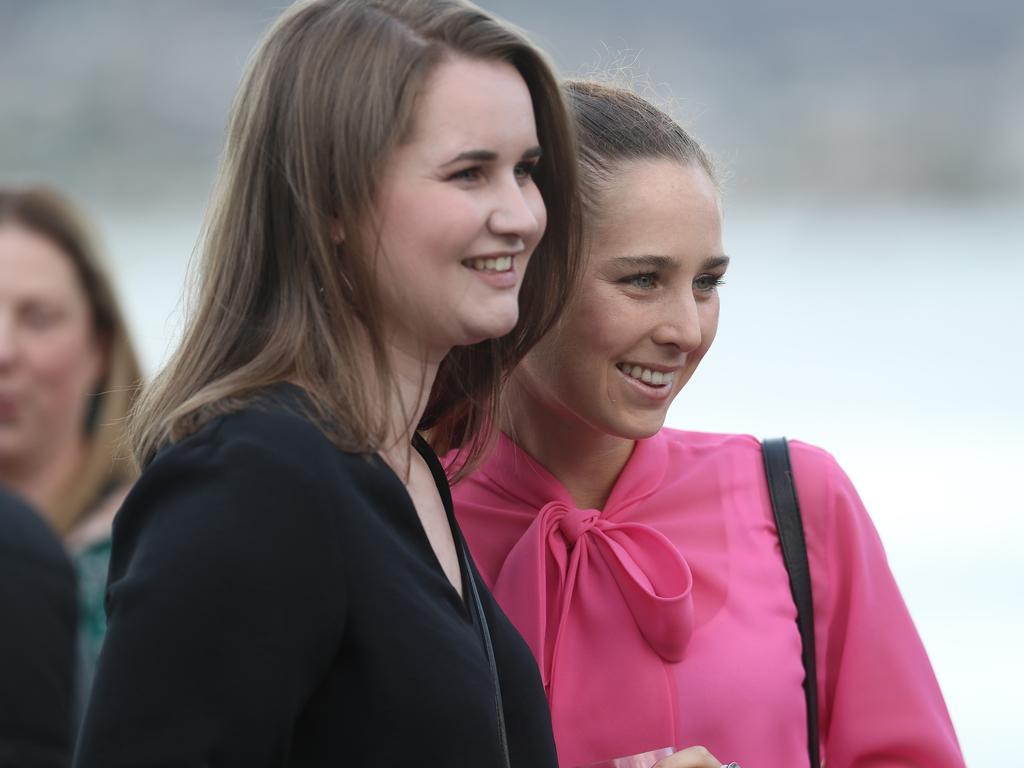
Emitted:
<point x="327" y="96"/>
<point x="45" y="212"/>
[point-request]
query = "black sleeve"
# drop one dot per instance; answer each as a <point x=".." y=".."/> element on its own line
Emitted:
<point x="37" y="641"/>
<point x="226" y="605"/>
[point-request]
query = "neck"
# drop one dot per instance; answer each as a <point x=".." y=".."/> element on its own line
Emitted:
<point x="42" y="481"/>
<point x="414" y="376"/>
<point x="586" y="461"/>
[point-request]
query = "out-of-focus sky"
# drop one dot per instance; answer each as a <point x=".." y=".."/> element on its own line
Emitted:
<point x="874" y="155"/>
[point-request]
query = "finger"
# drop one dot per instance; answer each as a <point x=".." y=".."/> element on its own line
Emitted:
<point x="692" y="757"/>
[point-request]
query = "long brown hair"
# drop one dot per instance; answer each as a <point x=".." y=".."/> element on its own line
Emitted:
<point x="327" y="96"/>
<point x="105" y="464"/>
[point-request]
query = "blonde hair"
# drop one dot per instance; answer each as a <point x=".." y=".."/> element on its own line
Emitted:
<point x="104" y="465"/>
<point x="327" y="96"/>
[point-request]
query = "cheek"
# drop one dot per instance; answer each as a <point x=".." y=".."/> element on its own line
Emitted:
<point x="589" y="337"/>
<point x="427" y="225"/>
<point x="584" y="353"/>
<point x="414" y="233"/>
<point x="67" y="363"/>
<point x="709" y="323"/>
<point x="606" y="327"/>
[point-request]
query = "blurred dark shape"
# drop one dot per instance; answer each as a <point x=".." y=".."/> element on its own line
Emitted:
<point x="37" y="643"/>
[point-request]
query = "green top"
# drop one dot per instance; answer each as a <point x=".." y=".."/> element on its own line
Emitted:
<point x="91" y="565"/>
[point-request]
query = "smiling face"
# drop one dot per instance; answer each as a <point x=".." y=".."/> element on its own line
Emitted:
<point x="50" y="359"/>
<point x="458" y="210"/>
<point x="645" y="313"/>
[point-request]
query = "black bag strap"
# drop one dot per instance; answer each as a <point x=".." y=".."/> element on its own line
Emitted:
<point x="794" y="553"/>
<point x="485" y="632"/>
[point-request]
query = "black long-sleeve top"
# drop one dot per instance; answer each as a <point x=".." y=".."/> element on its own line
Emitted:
<point x="274" y="601"/>
<point x="38" y="614"/>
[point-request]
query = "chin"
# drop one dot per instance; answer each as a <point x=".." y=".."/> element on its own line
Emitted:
<point x="11" y="452"/>
<point x="493" y="327"/>
<point x="639" y="428"/>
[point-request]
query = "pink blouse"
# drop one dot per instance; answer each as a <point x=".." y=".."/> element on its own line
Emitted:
<point x="666" y="618"/>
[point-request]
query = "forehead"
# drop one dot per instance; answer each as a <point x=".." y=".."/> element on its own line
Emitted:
<point x="473" y="103"/>
<point x="659" y="207"/>
<point x="30" y="262"/>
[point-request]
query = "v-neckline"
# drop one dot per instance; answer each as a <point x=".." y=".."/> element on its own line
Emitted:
<point x="441" y="484"/>
<point x="291" y="391"/>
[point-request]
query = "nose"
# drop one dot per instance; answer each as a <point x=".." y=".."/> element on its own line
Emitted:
<point x="679" y="324"/>
<point x="518" y="211"/>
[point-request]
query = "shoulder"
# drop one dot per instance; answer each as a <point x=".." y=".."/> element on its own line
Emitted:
<point x="255" y="433"/>
<point x="27" y="539"/>
<point x="814" y="462"/>
<point x="837" y="526"/>
<point x="822" y="485"/>
<point x="811" y="463"/>
<point x="258" y="482"/>
<point x="271" y="439"/>
<point x="709" y="441"/>
<point x="717" y="447"/>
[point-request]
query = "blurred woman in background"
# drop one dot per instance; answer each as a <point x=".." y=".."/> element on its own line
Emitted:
<point x="37" y="645"/>
<point x="642" y="564"/>
<point x="68" y="375"/>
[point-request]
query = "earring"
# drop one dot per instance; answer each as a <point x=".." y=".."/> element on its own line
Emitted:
<point x="92" y="411"/>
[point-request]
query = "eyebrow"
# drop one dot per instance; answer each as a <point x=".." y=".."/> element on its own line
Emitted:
<point x="489" y="156"/>
<point x="651" y="261"/>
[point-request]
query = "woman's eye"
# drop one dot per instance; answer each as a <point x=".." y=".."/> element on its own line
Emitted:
<point x="645" y="281"/>
<point x="467" y="174"/>
<point x="39" y="318"/>
<point x="708" y="282"/>
<point x="525" y="170"/>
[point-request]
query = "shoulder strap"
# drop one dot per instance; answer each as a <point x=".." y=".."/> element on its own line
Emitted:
<point x="794" y="553"/>
<point x="485" y="632"/>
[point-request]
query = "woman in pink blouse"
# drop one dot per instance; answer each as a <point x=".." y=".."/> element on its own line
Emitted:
<point x="642" y="564"/>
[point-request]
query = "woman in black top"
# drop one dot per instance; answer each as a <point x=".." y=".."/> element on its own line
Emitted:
<point x="37" y="643"/>
<point x="288" y="585"/>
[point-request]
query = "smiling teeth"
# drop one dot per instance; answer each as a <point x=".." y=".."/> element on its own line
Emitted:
<point x="500" y="264"/>
<point x="646" y="375"/>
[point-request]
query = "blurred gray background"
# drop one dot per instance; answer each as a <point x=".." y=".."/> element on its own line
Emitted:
<point x="874" y="155"/>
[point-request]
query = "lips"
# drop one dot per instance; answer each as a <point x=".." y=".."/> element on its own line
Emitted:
<point x="490" y="264"/>
<point x="646" y="375"/>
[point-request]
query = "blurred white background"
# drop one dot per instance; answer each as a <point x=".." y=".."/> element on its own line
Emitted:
<point x="874" y="213"/>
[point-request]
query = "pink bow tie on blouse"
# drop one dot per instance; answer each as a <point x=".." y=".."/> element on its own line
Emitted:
<point x="565" y="550"/>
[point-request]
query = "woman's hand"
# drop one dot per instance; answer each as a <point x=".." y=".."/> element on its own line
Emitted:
<point x="692" y="757"/>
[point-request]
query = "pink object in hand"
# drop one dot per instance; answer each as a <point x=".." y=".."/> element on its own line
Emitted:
<point x="643" y="760"/>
